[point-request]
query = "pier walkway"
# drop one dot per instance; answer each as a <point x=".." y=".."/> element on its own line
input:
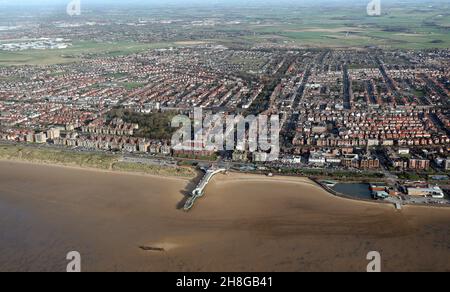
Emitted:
<point x="199" y="190"/>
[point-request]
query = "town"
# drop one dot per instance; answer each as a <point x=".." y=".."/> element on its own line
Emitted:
<point x="38" y="44"/>
<point x="226" y="135"/>
<point x="348" y="109"/>
<point x="382" y="113"/>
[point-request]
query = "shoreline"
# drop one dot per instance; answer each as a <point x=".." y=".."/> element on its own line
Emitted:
<point x="344" y="196"/>
<point x="257" y="178"/>
<point x="307" y="181"/>
<point x="100" y="170"/>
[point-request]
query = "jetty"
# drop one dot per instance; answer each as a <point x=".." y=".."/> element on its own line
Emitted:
<point x="199" y="191"/>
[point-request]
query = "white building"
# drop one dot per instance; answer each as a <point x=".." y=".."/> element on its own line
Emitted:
<point x="403" y="151"/>
<point x="317" y="159"/>
<point x="53" y="133"/>
<point x="434" y="192"/>
<point x="40" y="138"/>
<point x="334" y="160"/>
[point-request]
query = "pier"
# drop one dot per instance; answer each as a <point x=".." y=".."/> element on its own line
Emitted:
<point x="198" y="192"/>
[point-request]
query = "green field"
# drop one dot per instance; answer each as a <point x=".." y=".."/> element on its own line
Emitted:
<point x="401" y="26"/>
<point x="132" y="85"/>
<point x="75" y="52"/>
<point x="60" y="157"/>
<point x="154" y="170"/>
<point x="87" y="160"/>
<point x="417" y="26"/>
<point x="414" y="28"/>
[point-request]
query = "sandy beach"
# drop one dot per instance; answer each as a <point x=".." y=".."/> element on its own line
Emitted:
<point x="244" y="223"/>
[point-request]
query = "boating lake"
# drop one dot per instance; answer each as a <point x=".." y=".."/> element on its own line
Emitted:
<point x="360" y="191"/>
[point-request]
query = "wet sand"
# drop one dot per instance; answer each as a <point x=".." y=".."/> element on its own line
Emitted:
<point x="244" y="223"/>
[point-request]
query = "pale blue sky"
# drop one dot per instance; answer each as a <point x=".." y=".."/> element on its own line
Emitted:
<point x="25" y="2"/>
